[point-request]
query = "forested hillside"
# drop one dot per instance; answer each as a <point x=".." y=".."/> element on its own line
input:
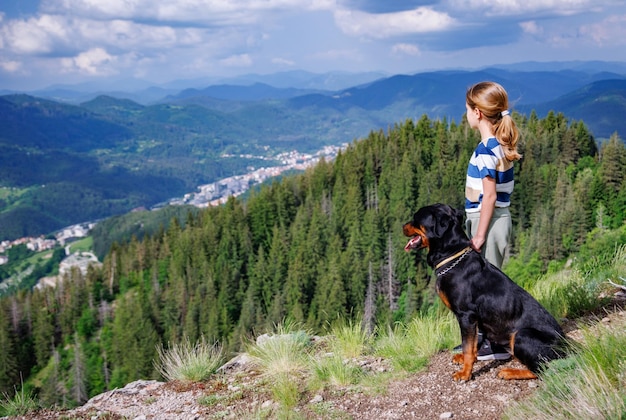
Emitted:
<point x="313" y="247"/>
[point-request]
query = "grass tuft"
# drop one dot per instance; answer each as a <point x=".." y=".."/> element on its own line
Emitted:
<point x="283" y="356"/>
<point x="189" y="362"/>
<point x="409" y="346"/>
<point x="284" y="351"/>
<point x="20" y="404"/>
<point x="335" y="371"/>
<point x="348" y="339"/>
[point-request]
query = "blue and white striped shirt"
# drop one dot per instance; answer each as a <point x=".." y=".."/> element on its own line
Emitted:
<point x="488" y="160"/>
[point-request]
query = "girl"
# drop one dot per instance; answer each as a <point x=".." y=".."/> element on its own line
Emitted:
<point x="489" y="182"/>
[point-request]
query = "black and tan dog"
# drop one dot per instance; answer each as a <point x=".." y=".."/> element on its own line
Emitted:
<point x="483" y="297"/>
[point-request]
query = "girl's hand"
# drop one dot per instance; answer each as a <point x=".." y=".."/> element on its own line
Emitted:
<point x="477" y="242"/>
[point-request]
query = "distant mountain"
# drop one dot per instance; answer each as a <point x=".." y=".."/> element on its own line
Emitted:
<point x="442" y="94"/>
<point x="47" y="125"/>
<point x="254" y="92"/>
<point x="147" y="93"/>
<point x="579" y="66"/>
<point x="601" y="105"/>
<point x="331" y="81"/>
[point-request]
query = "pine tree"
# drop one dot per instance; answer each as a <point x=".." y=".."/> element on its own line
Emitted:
<point x="78" y="374"/>
<point x="8" y="355"/>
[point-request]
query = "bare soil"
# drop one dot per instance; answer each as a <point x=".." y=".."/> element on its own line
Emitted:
<point x="244" y="394"/>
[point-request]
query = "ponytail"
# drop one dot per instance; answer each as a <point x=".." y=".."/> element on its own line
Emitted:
<point x="507" y="134"/>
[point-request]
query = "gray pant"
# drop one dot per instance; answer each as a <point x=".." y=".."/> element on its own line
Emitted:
<point x="498" y="234"/>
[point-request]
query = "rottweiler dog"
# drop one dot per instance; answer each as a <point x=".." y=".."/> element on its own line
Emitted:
<point x="483" y="297"/>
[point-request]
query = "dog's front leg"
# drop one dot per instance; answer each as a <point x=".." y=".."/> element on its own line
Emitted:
<point x="469" y="337"/>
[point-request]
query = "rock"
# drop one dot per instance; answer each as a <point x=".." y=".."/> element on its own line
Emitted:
<point x="316" y="399"/>
<point x="238" y="363"/>
<point x="446" y="415"/>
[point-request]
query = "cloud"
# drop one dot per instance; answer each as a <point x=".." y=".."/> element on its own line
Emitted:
<point x="35" y="35"/>
<point x="420" y="20"/>
<point x="239" y="60"/>
<point x="405" y="49"/>
<point x="531" y="27"/>
<point x="59" y="35"/>
<point x="11" y="66"/>
<point x="527" y="7"/>
<point x="283" y="62"/>
<point x="610" y="31"/>
<point x="96" y="62"/>
<point x="213" y="12"/>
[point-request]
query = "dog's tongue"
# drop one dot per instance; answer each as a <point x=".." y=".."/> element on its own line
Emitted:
<point x="413" y="243"/>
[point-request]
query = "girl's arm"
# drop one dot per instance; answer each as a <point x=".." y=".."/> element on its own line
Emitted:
<point x="487" y="207"/>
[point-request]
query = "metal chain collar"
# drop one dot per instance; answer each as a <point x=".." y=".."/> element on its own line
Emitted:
<point x="456" y="262"/>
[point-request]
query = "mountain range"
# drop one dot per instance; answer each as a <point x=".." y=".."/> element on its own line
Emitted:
<point x="63" y="162"/>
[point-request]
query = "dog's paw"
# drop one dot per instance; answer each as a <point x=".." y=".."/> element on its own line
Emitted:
<point x="462" y="375"/>
<point x="458" y="358"/>
<point x="510" y="373"/>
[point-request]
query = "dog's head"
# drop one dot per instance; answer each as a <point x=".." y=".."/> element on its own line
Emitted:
<point x="433" y="223"/>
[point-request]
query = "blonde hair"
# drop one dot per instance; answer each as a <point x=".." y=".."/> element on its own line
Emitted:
<point x="492" y="100"/>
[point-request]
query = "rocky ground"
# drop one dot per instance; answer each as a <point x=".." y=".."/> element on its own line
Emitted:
<point x="242" y="393"/>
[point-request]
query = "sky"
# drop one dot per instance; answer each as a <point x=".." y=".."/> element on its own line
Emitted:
<point x="50" y="42"/>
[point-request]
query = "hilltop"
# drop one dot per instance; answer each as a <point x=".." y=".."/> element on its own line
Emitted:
<point x="241" y="392"/>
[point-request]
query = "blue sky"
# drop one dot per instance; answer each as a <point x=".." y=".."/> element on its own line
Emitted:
<point x="45" y="42"/>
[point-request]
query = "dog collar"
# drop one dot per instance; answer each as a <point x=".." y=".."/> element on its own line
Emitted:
<point x="458" y="255"/>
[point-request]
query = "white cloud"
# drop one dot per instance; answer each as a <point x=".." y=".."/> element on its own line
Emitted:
<point x="35" y="35"/>
<point x="531" y="27"/>
<point x="240" y="60"/>
<point x="95" y="62"/>
<point x="405" y="49"/>
<point x="10" y="66"/>
<point x="610" y="31"/>
<point x="50" y="33"/>
<point x="217" y="12"/>
<point x="283" y="62"/>
<point x="384" y="25"/>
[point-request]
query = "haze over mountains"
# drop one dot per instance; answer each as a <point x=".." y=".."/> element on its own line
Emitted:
<point x="73" y="154"/>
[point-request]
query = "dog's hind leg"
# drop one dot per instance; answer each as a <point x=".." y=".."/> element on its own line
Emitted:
<point x="532" y="348"/>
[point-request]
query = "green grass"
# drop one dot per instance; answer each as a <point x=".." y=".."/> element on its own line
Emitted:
<point x="590" y="384"/>
<point x="82" y="245"/>
<point x="215" y="399"/>
<point x="334" y="371"/>
<point x="348" y="339"/>
<point x="410" y="346"/>
<point x="283" y="351"/>
<point x="21" y="403"/>
<point x="283" y="357"/>
<point x="190" y="362"/>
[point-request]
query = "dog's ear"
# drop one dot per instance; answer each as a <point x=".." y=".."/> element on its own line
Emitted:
<point x="442" y="222"/>
<point x="460" y="216"/>
<point x="447" y="219"/>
